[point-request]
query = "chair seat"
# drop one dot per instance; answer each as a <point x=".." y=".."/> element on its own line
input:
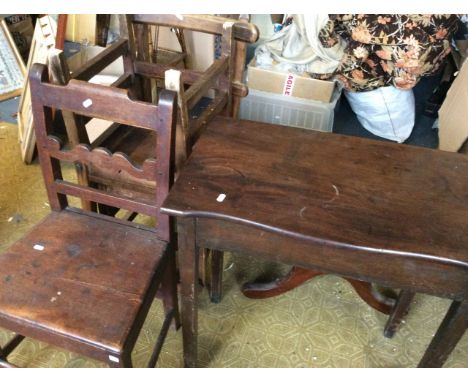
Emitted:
<point x="75" y="273"/>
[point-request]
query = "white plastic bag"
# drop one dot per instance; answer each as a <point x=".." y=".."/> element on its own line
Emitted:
<point x="387" y="112"/>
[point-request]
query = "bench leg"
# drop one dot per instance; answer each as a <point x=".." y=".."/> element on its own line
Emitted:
<point x="447" y="336"/>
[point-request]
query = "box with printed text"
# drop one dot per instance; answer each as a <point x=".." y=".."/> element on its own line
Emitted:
<point x="289" y="84"/>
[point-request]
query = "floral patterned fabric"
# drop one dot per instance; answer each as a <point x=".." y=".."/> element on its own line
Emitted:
<point x="386" y="50"/>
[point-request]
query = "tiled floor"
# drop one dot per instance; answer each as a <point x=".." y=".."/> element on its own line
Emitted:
<point x="323" y="323"/>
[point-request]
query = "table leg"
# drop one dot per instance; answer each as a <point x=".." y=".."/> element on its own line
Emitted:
<point x="447" y="336"/>
<point x="399" y="311"/>
<point x="216" y="287"/>
<point x="188" y="268"/>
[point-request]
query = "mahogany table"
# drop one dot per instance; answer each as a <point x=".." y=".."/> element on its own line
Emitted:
<point x="373" y="211"/>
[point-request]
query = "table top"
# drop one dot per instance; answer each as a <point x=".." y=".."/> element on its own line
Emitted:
<point x="333" y="189"/>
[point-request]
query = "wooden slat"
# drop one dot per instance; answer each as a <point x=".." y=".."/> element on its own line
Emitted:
<point x="197" y="126"/>
<point x="101" y="157"/>
<point x="188" y="76"/>
<point x="123" y="82"/>
<point x="207" y="81"/>
<point x="98" y="101"/>
<point x="60" y="72"/>
<point x="101" y="61"/>
<point x="67" y="188"/>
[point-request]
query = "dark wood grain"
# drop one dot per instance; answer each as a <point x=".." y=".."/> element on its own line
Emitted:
<point x="371" y="211"/>
<point x="94" y="295"/>
<point x="340" y="191"/>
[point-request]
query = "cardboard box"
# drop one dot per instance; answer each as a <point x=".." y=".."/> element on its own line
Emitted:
<point x="288" y="84"/>
<point x="453" y="115"/>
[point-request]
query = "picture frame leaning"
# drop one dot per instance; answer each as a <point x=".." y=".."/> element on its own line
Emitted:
<point x="12" y="68"/>
<point x="43" y="40"/>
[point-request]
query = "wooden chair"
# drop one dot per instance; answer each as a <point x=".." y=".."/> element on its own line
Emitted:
<point x="81" y="280"/>
<point x="223" y="76"/>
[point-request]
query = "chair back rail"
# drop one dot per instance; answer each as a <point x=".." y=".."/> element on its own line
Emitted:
<point x="99" y="101"/>
<point x="112" y="104"/>
<point x="202" y="23"/>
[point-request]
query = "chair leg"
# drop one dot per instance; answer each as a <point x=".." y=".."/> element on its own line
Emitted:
<point x="7" y="349"/>
<point x="400" y="310"/>
<point x="160" y="342"/>
<point x="169" y="291"/>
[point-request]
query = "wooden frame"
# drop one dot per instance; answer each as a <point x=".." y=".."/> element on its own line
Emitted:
<point x="10" y="53"/>
<point x="43" y="41"/>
